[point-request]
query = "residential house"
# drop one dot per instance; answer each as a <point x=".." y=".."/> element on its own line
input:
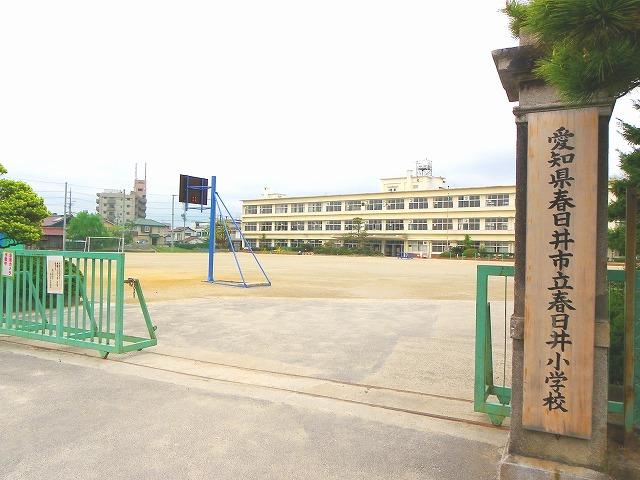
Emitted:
<point x="53" y="232"/>
<point x="179" y="234"/>
<point x="149" y="232"/>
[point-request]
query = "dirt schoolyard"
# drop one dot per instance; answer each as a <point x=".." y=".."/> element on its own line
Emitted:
<point x="171" y="276"/>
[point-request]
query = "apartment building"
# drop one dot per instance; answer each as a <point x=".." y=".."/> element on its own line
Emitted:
<point x="412" y="214"/>
<point x="120" y="207"/>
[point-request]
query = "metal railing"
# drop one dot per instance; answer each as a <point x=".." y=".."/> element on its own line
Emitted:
<point x="494" y="399"/>
<point x="89" y="313"/>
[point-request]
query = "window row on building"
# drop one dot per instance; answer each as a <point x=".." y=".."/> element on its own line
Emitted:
<point x="416" y="203"/>
<point x="437" y="246"/>
<point x="489" y="247"/>
<point x="492" y="223"/>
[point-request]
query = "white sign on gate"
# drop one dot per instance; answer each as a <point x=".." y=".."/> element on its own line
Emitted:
<point x="55" y="274"/>
<point x="7" y="264"/>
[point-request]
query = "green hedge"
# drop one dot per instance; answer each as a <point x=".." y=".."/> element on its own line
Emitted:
<point x="347" y="251"/>
<point x="616" y="324"/>
<point x="327" y="250"/>
<point x="454" y="253"/>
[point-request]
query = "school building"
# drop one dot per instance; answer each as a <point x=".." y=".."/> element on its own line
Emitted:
<point x="413" y="214"/>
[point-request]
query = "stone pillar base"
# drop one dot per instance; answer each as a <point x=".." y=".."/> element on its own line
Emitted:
<point x="516" y="467"/>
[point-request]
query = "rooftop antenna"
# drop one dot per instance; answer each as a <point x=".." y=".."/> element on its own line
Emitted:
<point x="424" y="168"/>
<point x="135" y="175"/>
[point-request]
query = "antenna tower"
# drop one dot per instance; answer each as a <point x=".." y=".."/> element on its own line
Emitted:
<point x="424" y="168"/>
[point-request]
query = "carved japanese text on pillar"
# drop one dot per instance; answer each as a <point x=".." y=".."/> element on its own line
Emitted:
<point x="560" y="276"/>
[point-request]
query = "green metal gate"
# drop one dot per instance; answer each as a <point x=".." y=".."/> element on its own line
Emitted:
<point x="89" y="313"/>
<point x="494" y="399"/>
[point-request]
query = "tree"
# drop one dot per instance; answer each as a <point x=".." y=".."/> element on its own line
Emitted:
<point x="467" y="243"/>
<point x="358" y="233"/>
<point x="616" y="238"/>
<point x="221" y="236"/>
<point x="630" y="166"/>
<point x="21" y="212"/>
<point x="122" y="231"/>
<point x="86" y="224"/>
<point x="588" y="47"/>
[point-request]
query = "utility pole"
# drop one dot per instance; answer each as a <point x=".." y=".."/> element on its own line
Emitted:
<point x="124" y="201"/>
<point x="64" y="219"/>
<point x="173" y="202"/>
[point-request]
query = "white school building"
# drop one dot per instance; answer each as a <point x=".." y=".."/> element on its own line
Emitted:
<point x="412" y="214"/>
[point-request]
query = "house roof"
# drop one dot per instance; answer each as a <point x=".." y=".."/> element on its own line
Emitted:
<point x="55" y="220"/>
<point x="53" y="231"/>
<point x="147" y="222"/>
<point x="195" y="240"/>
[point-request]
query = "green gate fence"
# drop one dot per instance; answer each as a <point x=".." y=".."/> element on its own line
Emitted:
<point x="494" y="399"/>
<point x="89" y="311"/>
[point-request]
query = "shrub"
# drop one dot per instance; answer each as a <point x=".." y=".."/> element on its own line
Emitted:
<point x="470" y="253"/>
<point x="194" y="246"/>
<point x="38" y="265"/>
<point x="305" y="247"/>
<point x="616" y="324"/>
<point x="453" y="252"/>
<point x="334" y="250"/>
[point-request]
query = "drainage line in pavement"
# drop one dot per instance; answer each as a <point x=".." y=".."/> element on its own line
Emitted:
<point x="286" y="390"/>
<point x="310" y="377"/>
<point x="317" y="395"/>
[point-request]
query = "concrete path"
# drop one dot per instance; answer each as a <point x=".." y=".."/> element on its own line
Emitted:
<point x="422" y="345"/>
<point x="256" y="388"/>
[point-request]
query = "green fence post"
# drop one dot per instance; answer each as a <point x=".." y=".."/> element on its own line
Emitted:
<point x="481" y="323"/>
<point x="488" y="354"/>
<point x="9" y="297"/>
<point x="145" y="310"/>
<point x="119" y="303"/>
<point x="59" y="315"/>
<point x="2" y="294"/>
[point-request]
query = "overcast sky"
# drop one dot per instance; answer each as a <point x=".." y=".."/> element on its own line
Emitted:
<point x="303" y="97"/>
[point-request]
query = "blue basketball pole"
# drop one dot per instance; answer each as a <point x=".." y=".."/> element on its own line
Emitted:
<point x="213" y="209"/>
<point x="212" y="230"/>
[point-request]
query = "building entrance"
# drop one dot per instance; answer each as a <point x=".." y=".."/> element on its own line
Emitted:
<point x="393" y="248"/>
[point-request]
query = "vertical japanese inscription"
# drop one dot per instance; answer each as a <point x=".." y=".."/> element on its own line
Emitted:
<point x="560" y="276"/>
<point x="55" y="274"/>
<point x="562" y="242"/>
<point x="8" y="259"/>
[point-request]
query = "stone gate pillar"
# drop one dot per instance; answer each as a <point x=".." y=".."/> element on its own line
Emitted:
<point x="560" y="327"/>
